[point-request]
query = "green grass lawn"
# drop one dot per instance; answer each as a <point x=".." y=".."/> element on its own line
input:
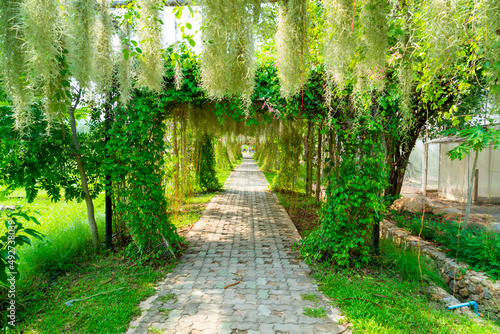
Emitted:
<point x="377" y="301"/>
<point x="65" y="229"/>
<point x="43" y="308"/>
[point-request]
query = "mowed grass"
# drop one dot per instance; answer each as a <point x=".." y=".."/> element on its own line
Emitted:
<point x="114" y="284"/>
<point x="377" y="301"/>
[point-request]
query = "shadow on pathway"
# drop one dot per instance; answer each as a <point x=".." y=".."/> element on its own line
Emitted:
<point x="243" y="230"/>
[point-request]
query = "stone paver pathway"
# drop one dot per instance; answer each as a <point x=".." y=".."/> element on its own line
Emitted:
<point x="243" y="230"/>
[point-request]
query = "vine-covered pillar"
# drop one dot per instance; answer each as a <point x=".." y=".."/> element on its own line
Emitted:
<point x="222" y="155"/>
<point x="136" y="147"/>
<point x="354" y="195"/>
<point x="206" y="177"/>
<point x="290" y="150"/>
<point x="319" y="161"/>
<point x="308" y="155"/>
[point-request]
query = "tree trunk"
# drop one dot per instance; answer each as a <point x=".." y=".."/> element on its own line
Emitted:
<point x="331" y="156"/>
<point x="184" y="158"/>
<point x="311" y="158"/>
<point x="469" y="195"/>
<point x="376" y="237"/>
<point x="108" y="200"/>
<point x="276" y="154"/>
<point x="83" y="176"/>
<point x="176" y="161"/>
<point x="307" y="154"/>
<point x="398" y="156"/>
<point x="318" y="164"/>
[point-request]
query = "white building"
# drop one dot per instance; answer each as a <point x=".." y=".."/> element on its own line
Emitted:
<point x="452" y="178"/>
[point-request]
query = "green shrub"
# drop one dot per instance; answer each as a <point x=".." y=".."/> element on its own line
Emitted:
<point x="405" y="263"/>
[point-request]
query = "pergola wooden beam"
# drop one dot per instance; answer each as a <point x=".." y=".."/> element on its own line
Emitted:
<point x="170" y="3"/>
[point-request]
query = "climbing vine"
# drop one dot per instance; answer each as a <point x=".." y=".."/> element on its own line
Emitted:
<point x="137" y="138"/>
<point x="206" y="178"/>
<point x="354" y="202"/>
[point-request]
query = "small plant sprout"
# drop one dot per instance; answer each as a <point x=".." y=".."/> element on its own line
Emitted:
<point x="318" y="312"/>
<point x="310" y="297"/>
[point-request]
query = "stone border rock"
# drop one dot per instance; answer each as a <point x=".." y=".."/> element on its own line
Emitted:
<point x="465" y="284"/>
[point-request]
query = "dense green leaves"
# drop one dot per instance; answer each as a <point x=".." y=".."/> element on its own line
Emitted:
<point x="15" y="236"/>
<point x="136" y="151"/>
<point x="206" y="178"/>
<point x="476" y="139"/>
<point x="43" y="160"/>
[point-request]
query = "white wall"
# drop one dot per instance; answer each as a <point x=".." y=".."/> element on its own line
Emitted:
<point x="454" y="176"/>
<point x="414" y="169"/>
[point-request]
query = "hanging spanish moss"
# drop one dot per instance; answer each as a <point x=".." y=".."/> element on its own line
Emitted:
<point x="290" y="150"/>
<point x="151" y="62"/>
<point x="227" y="62"/>
<point x="445" y="25"/>
<point x="292" y="46"/>
<point x="340" y="41"/>
<point x="178" y="75"/>
<point x="373" y="19"/>
<point x="44" y="39"/>
<point x="13" y="59"/>
<point x="103" y="49"/>
<point x="124" y="67"/>
<point x="81" y="18"/>
<point x="405" y="78"/>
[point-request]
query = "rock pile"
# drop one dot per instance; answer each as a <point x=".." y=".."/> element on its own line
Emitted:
<point x="419" y="204"/>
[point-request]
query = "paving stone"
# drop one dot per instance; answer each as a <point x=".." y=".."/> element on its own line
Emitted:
<point x="245" y="326"/>
<point x="291" y="328"/>
<point x="264" y="310"/>
<point x="268" y="329"/>
<point x="243" y="230"/>
<point x="262" y="294"/>
<point x="202" y="326"/>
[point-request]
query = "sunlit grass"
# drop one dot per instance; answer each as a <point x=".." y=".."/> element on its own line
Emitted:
<point x="125" y="284"/>
<point x="379" y="302"/>
<point x="65" y="229"/>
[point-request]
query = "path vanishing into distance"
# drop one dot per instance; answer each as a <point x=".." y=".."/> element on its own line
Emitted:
<point x="243" y="230"/>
